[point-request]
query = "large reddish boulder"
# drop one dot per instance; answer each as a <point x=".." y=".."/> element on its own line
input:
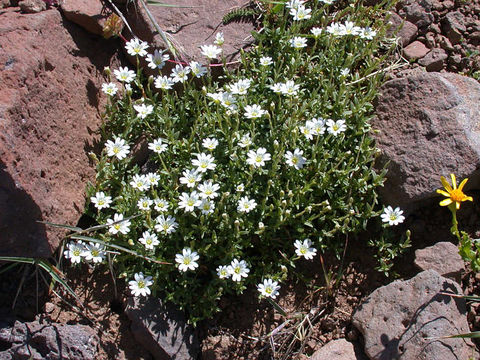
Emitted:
<point x="50" y="75"/>
<point x="190" y="24"/>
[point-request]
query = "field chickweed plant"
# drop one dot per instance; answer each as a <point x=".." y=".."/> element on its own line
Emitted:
<point x="248" y="174"/>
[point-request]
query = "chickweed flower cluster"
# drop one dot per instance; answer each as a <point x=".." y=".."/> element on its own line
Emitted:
<point x="273" y="158"/>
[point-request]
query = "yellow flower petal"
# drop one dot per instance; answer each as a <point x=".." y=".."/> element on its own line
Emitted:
<point x="468" y="198"/>
<point x="445" y="184"/>
<point x="462" y="184"/>
<point x="454" y="181"/>
<point x="444" y="193"/>
<point x="446" y="202"/>
<point x="457" y="205"/>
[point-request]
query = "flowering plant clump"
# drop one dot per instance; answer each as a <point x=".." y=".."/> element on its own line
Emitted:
<point x="247" y="174"/>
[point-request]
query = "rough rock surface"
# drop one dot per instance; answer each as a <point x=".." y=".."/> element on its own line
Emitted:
<point x="89" y="14"/>
<point x="416" y="50"/>
<point x="434" y="60"/>
<point x="32" y="6"/>
<point x="49" y="101"/>
<point x="339" y="349"/>
<point x="38" y="341"/>
<point x="398" y="319"/>
<point x="192" y="26"/>
<point x="442" y="257"/>
<point x="429" y="127"/>
<point x="162" y="329"/>
<point x="402" y="29"/>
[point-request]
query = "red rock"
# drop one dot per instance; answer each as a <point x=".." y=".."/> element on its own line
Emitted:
<point x="402" y="29"/>
<point x="415" y="50"/>
<point x="453" y="26"/>
<point x="32" y="6"/>
<point x="89" y="14"/>
<point x="428" y="126"/>
<point x="192" y="26"/>
<point x="442" y="257"/>
<point x="434" y="60"/>
<point x="49" y="99"/>
<point x="339" y="349"/>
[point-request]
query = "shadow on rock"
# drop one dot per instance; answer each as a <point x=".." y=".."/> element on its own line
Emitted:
<point x="20" y="232"/>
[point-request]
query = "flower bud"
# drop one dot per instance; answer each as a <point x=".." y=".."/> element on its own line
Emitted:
<point x="107" y="71"/>
<point x="282" y="193"/>
<point x="290" y="193"/>
<point x="225" y="216"/>
<point x="261" y="225"/>
<point x="130" y="242"/>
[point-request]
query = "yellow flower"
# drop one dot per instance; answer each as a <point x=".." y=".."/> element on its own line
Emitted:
<point x="454" y="195"/>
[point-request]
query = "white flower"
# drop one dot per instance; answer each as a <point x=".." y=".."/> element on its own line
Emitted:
<point x="308" y="130"/>
<point x="216" y="97"/>
<point x="245" y="141"/>
<point x="163" y="82"/>
<point x="210" y="51"/>
<point x="157" y="60"/>
<point x="268" y="288"/>
<point x="157" y="146"/>
<point x="204" y="162"/>
<point x="152" y="178"/>
<point x="190" y="178"/>
<point x="254" y="111"/>
<point x="101" y="201"/>
<point x="238" y="269"/>
<point x="289" y="88"/>
<point x="136" y="47"/>
<point x="246" y="205"/>
<point x="74" y="252"/>
<point x="240" y="188"/>
<point x="317" y="126"/>
<point x="276" y="88"/>
<point x="219" y="39"/>
<point x="222" y="272"/>
<point x="296" y="159"/>
<point x="161" y="205"/>
<point x="210" y="143"/>
<point x="144" y="204"/>
<point x="128" y="88"/>
<point x="294" y="4"/>
<point x="187" y="260"/>
<point x="328" y="2"/>
<point x="166" y="225"/>
<point x="336" y="127"/>
<point x="124" y="75"/>
<point x="189" y="202"/>
<point x="94" y="252"/>
<point x="109" y="89"/>
<point x="316" y="31"/>
<point x="180" y="74"/>
<point x="140" y="182"/>
<point x="228" y="100"/>
<point x="197" y="69"/>
<point x="304" y="249"/>
<point x="119" y="148"/>
<point x="118" y="225"/>
<point x="149" y="240"/>
<point x="392" y="216"/>
<point x="143" y="110"/>
<point x="298" y="42"/>
<point x="349" y="28"/>
<point x="300" y="13"/>
<point x="335" y="29"/>
<point x="266" y="60"/>
<point x="240" y="87"/>
<point x="140" y="285"/>
<point x="344" y="72"/>
<point x="258" y="157"/>
<point x="206" y="206"/>
<point x="367" y="33"/>
<point x="208" y="190"/>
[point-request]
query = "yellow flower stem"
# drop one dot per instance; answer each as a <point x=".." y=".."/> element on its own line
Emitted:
<point x="454" y="228"/>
